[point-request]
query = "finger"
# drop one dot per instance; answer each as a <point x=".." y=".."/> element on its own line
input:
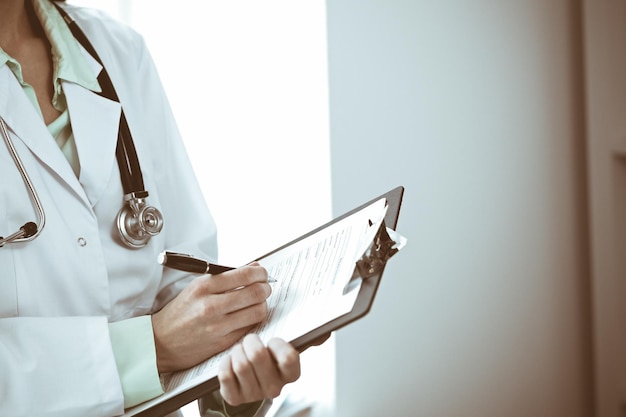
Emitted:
<point x="237" y="278"/>
<point x="245" y="317"/>
<point x="229" y="339"/>
<point x="243" y="369"/>
<point x="287" y="358"/>
<point x="316" y="342"/>
<point x="229" y="385"/>
<point x="252" y="294"/>
<point x="265" y="369"/>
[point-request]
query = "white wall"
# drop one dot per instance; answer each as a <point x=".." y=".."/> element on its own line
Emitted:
<point x="476" y="107"/>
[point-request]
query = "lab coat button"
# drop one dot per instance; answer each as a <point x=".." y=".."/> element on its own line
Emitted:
<point x="82" y="241"/>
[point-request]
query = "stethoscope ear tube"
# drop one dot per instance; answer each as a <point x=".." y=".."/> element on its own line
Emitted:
<point x="30" y="230"/>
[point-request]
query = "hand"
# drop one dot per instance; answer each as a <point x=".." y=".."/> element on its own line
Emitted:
<point x="320" y="340"/>
<point x="253" y="371"/>
<point x="208" y="316"/>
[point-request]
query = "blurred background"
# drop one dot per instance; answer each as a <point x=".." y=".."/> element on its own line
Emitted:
<point x="505" y="122"/>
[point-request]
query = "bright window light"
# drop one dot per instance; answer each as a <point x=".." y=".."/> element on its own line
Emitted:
<point x="247" y="81"/>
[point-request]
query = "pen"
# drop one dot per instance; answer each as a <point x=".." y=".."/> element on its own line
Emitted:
<point x="188" y="263"/>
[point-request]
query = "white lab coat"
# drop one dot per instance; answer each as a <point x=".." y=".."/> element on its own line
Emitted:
<point x="58" y="292"/>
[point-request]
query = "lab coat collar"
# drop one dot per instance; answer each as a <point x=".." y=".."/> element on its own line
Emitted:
<point x="95" y="122"/>
<point x="26" y="123"/>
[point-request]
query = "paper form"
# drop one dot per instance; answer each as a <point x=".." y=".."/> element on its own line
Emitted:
<point x="310" y="275"/>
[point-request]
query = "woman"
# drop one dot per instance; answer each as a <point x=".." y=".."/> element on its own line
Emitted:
<point x="87" y="323"/>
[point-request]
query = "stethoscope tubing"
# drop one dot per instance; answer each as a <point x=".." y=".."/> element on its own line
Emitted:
<point x="31" y="190"/>
<point x="128" y="161"/>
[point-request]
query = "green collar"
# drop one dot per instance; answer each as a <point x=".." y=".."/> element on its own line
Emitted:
<point x="69" y="63"/>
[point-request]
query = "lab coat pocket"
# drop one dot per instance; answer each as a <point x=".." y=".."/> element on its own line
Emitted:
<point x="8" y="277"/>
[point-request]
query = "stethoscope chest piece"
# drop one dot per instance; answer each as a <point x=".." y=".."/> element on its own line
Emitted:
<point x="137" y="222"/>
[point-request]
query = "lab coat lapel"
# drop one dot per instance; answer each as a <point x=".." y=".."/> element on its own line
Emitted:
<point x="95" y="123"/>
<point x="26" y="123"/>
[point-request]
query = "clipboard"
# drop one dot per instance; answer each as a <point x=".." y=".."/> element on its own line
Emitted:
<point x="365" y="298"/>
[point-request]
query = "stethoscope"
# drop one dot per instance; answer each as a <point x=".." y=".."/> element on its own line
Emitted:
<point x="136" y="221"/>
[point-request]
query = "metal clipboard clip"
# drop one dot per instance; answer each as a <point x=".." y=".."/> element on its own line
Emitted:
<point x="386" y="243"/>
